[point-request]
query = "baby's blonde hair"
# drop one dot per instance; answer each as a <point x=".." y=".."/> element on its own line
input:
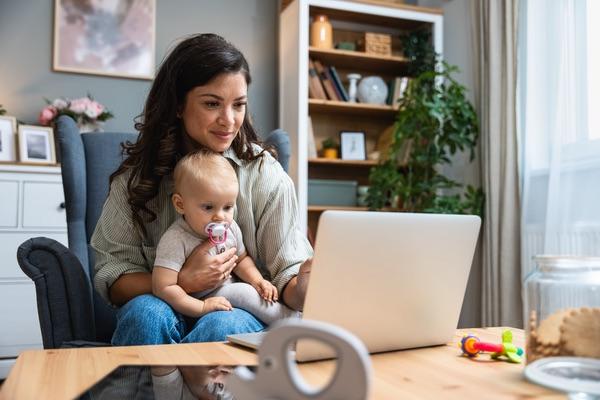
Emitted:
<point x="203" y="166"/>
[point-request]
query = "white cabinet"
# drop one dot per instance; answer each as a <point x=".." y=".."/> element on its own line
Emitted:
<point x="31" y="205"/>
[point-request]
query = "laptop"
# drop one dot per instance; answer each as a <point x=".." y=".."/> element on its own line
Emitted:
<point x="395" y="280"/>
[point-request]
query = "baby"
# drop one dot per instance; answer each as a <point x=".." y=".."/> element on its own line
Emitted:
<point x="206" y="189"/>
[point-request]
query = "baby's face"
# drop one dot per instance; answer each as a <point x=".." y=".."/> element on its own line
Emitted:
<point x="206" y="203"/>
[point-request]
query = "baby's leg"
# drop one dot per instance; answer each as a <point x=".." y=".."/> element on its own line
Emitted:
<point x="243" y="295"/>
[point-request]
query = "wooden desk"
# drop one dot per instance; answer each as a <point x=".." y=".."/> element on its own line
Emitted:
<point x="430" y="373"/>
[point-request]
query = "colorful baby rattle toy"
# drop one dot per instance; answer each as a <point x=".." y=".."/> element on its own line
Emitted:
<point x="471" y="346"/>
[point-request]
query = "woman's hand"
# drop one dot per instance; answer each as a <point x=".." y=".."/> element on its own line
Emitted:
<point x="295" y="291"/>
<point x="203" y="271"/>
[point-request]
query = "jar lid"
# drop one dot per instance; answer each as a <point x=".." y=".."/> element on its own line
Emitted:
<point x="566" y="262"/>
<point x="568" y="374"/>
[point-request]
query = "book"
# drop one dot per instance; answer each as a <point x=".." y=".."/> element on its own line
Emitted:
<point x="327" y="83"/>
<point x="315" y="88"/>
<point x="338" y="93"/>
<point x="312" y="147"/>
<point x="390" y="96"/>
<point x="400" y="85"/>
<point x="338" y="83"/>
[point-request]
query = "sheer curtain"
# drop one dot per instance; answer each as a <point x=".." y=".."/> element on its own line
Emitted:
<point x="559" y="114"/>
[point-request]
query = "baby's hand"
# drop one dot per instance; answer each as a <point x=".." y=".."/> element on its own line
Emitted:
<point x="216" y="304"/>
<point x="266" y="290"/>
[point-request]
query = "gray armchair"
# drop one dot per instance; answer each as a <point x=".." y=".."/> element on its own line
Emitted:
<point x="71" y="313"/>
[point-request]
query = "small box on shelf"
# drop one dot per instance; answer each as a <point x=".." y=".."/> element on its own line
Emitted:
<point x="376" y="43"/>
<point x="332" y="192"/>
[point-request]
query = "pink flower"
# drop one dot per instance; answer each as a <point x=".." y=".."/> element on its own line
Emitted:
<point x="82" y="110"/>
<point x="60" y="103"/>
<point x="47" y="115"/>
<point x="94" y="109"/>
<point x="79" y="105"/>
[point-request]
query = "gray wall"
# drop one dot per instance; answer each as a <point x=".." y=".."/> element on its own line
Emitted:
<point x="26" y="76"/>
<point x="458" y="50"/>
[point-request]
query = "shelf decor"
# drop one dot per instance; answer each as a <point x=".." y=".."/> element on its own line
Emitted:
<point x="114" y="38"/>
<point x="372" y="90"/>
<point x="376" y="43"/>
<point x="87" y="112"/>
<point x="8" y="127"/>
<point x="352" y="90"/>
<point x="321" y="33"/>
<point x="330" y="148"/>
<point x="353" y="146"/>
<point x="36" y="144"/>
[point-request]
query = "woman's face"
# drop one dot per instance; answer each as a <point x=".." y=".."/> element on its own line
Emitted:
<point x="213" y="113"/>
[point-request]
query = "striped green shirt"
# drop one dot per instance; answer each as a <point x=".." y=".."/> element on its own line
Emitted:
<point x="266" y="211"/>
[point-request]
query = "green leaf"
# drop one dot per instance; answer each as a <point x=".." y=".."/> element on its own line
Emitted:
<point x="440" y="121"/>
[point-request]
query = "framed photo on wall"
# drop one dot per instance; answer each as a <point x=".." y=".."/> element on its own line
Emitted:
<point x="353" y="146"/>
<point x="114" y="38"/>
<point x="36" y="144"/>
<point x="8" y="135"/>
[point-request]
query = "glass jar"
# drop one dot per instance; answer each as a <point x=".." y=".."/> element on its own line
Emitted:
<point x="321" y="33"/>
<point x="562" y="307"/>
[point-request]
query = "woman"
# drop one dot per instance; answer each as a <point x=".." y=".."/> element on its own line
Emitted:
<point x="198" y="99"/>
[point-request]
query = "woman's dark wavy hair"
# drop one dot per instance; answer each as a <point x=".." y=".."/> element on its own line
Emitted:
<point x="161" y="142"/>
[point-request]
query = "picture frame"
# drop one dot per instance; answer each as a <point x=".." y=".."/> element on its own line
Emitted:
<point x="36" y="144"/>
<point x="8" y="138"/>
<point x="114" y="38"/>
<point x="353" y="146"/>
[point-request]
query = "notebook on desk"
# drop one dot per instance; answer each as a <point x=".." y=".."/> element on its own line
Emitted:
<point x="395" y="280"/>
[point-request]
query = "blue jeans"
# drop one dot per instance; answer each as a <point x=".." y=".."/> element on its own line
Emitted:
<point x="146" y="319"/>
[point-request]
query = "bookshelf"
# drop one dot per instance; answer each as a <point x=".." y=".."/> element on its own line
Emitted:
<point x="337" y="161"/>
<point x="351" y="20"/>
<point x="344" y="107"/>
<point x="349" y="59"/>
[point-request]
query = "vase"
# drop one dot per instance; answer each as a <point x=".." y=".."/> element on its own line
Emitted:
<point x="321" y="33"/>
<point x="330" y="153"/>
<point x="353" y="78"/>
<point x="85" y="127"/>
<point x="373" y="90"/>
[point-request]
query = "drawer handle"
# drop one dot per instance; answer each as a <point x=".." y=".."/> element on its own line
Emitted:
<point x="62" y="205"/>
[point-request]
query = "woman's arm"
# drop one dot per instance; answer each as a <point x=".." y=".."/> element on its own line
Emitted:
<point x="121" y="269"/>
<point x="282" y="245"/>
<point x="294" y="292"/>
<point x="128" y="286"/>
<point x="200" y="271"/>
<point x="164" y="285"/>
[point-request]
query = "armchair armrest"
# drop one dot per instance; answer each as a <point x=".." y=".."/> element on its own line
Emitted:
<point x="280" y="140"/>
<point x="63" y="291"/>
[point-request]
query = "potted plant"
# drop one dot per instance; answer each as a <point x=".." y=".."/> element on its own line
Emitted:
<point x="435" y="120"/>
<point x="330" y="148"/>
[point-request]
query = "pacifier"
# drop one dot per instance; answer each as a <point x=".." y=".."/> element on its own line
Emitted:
<point x="217" y="234"/>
